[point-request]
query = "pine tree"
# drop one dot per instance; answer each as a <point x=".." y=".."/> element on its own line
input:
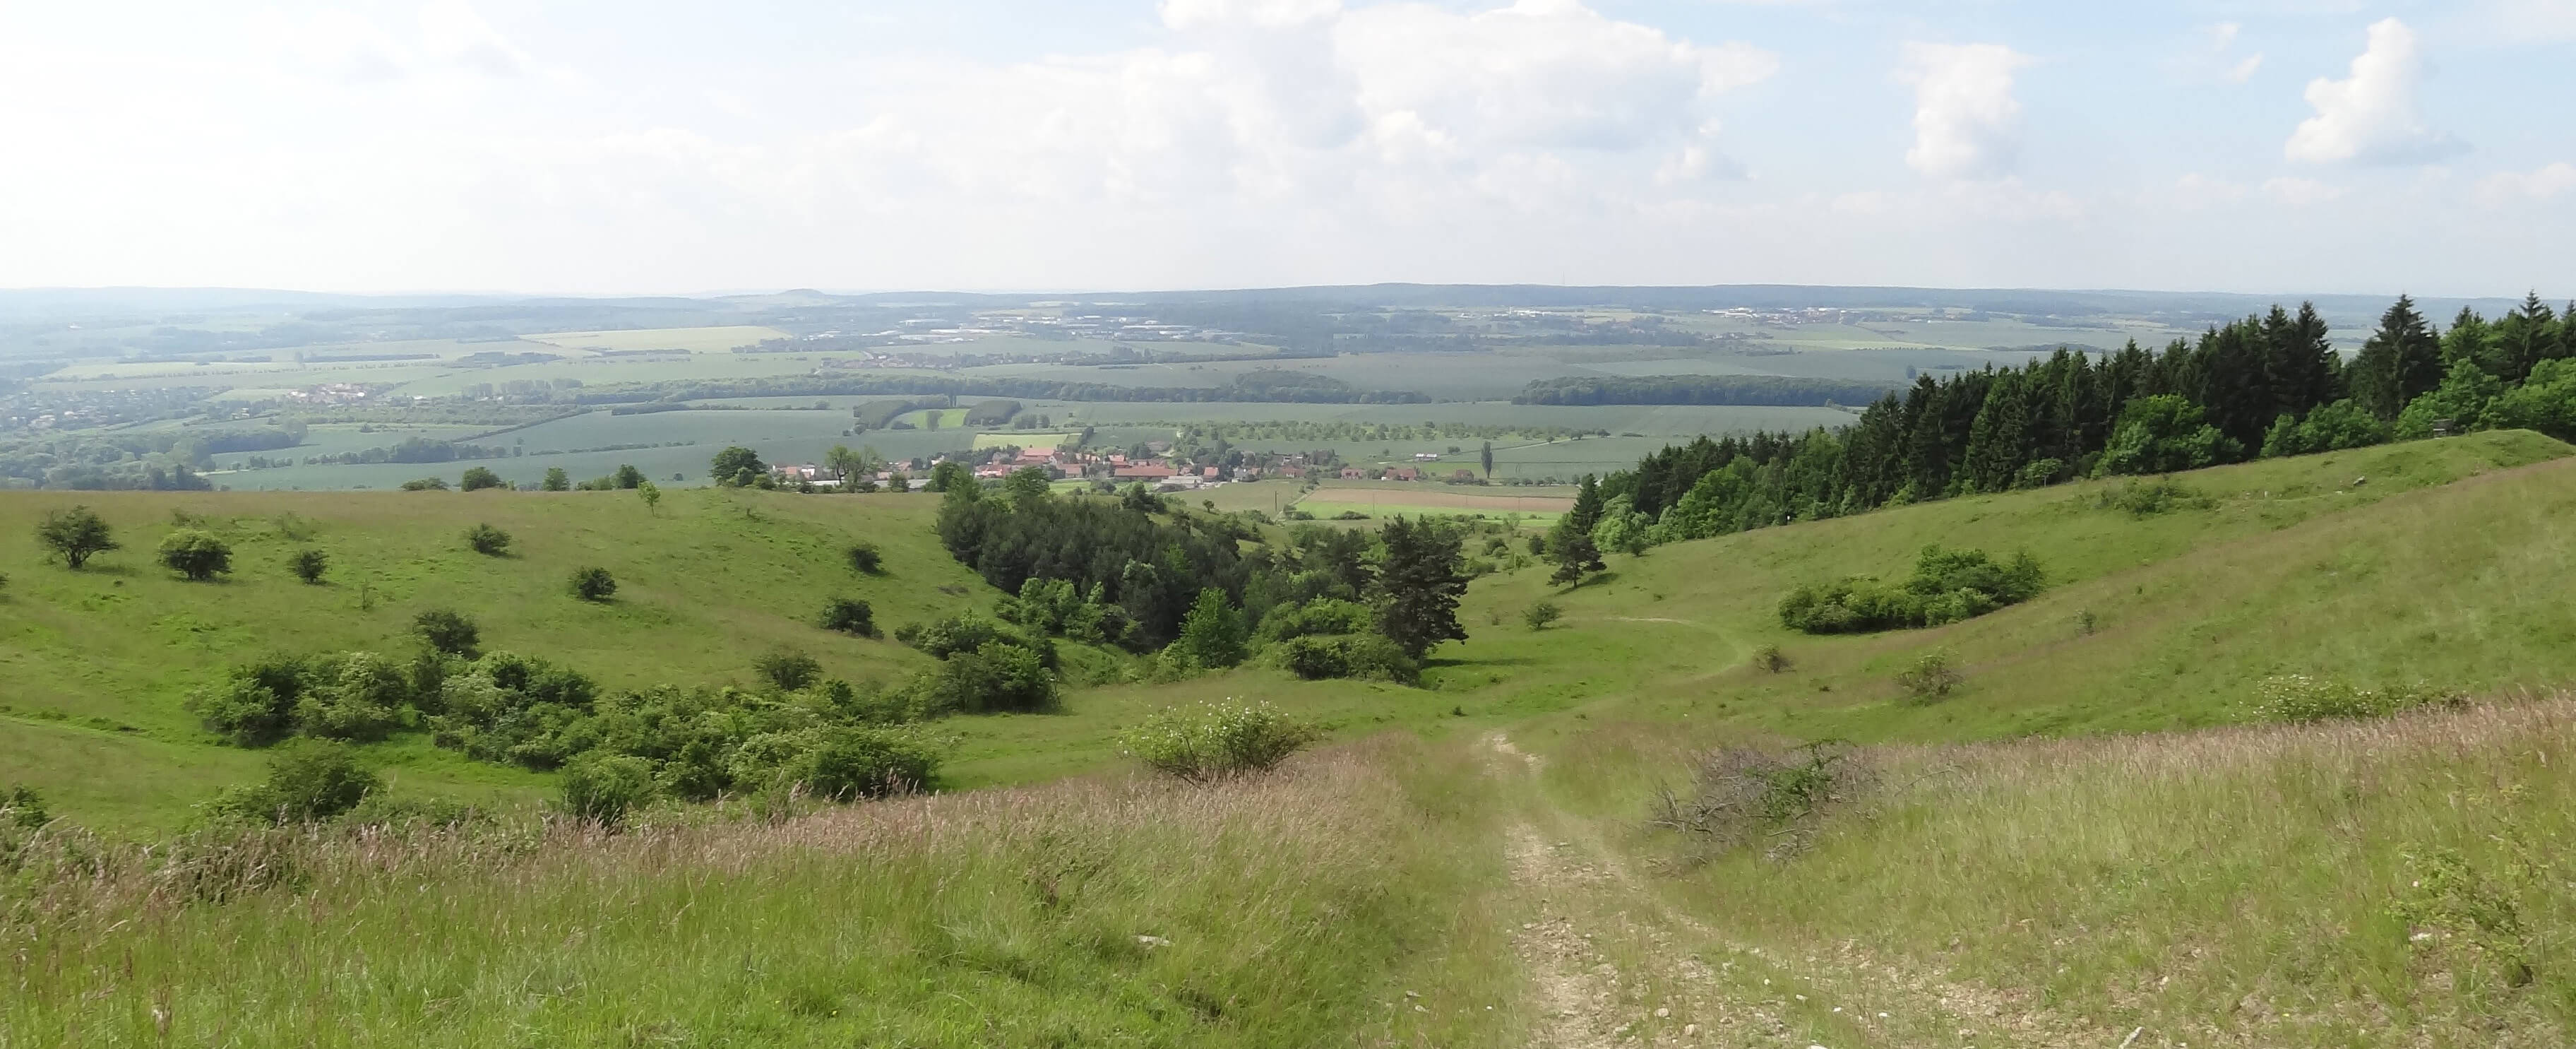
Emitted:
<point x="1487" y="456"/>
<point x="2301" y="364"/>
<point x="2400" y="361"/>
<point x="1998" y="442"/>
<point x="2525" y="337"/>
<point x="1419" y="586"/>
<point x="1587" y="505"/>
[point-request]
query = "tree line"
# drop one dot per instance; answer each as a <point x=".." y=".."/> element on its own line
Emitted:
<point x="1265" y="386"/>
<point x="2265" y="385"/>
<point x="1699" y="389"/>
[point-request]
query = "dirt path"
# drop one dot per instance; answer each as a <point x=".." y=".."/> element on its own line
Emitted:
<point x="1612" y="965"/>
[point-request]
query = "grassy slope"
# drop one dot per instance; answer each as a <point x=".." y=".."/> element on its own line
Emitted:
<point x="2294" y="570"/>
<point x="94" y="664"/>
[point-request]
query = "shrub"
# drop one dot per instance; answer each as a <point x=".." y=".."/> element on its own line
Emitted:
<point x="309" y="564"/>
<point x="196" y="555"/>
<point x="1742" y="795"/>
<point x="1323" y="615"/>
<point x="488" y="541"/>
<point x="1541" y="615"/>
<point x="788" y="670"/>
<point x="865" y="558"/>
<point x="1316" y="657"/>
<point x="556" y="480"/>
<point x="603" y="788"/>
<point x="75" y="535"/>
<point x="2299" y="697"/>
<point x="853" y="762"/>
<point x="968" y="632"/>
<point x="1771" y="660"/>
<point x="849" y="615"/>
<point x="995" y="677"/>
<point x="1931" y="676"/>
<point x="593" y="584"/>
<point x="308" y="780"/>
<point x="478" y="478"/>
<point x="447" y="631"/>
<point x="1948" y="586"/>
<point x="20" y="807"/>
<point x="2161" y="496"/>
<point x="426" y="484"/>
<point x="1211" y="741"/>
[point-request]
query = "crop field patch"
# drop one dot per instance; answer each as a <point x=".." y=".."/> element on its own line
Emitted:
<point x="718" y="339"/>
<point x="1020" y="439"/>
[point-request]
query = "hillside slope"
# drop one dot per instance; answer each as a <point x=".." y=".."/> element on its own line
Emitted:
<point x="94" y="664"/>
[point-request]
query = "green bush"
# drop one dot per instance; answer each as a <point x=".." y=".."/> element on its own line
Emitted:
<point x="196" y="555"/>
<point x="556" y="480"/>
<point x="852" y="616"/>
<point x="1323" y="615"/>
<point x="604" y="788"/>
<point x="1542" y="615"/>
<point x="999" y="676"/>
<point x="2164" y="434"/>
<point x="1771" y="660"/>
<point x="593" y="584"/>
<point x="852" y="762"/>
<point x="478" y="478"/>
<point x="309" y="564"/>
<point x="1947" y="586"/>
<point x="1316" y="657"/>
<point x="308" y="780"/>
<point x="426" y="484"/>
<point x="1212" y="633"/>
<point x="1211" y="741"/>
<point x="865" y="558"/>
<point x="488" y="541"/>
<point x="2143" y="500"/>
<point x="20" y="807"/>
<point x="788" y="670"/>
<point x="1932" y="675"/>
<point x="447" y="631"/>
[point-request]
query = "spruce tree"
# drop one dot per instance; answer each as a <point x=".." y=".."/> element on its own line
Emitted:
<point x="2400" y="361"/>
<point x="1419" y="586"/>
<point x="1998" y="440"/>
<point x="1587" y="505"/>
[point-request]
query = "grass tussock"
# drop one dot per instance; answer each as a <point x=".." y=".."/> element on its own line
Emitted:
<point x="1268" y="910"/>
<point x="2325" y="883"/>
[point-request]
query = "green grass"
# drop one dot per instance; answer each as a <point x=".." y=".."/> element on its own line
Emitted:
<point x="100" y="660"/>
<point x="1285" y="911"/>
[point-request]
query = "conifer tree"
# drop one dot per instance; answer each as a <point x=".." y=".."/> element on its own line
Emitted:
<point x="1419" y="586"/>
<point x="2399" y="362"/>
<point x="1587" y="505"/>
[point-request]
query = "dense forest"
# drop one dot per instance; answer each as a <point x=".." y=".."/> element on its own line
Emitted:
<point x="2262" y="386"/>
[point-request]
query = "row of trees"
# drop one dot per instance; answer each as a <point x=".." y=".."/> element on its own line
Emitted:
<point x="2265" y="385"/>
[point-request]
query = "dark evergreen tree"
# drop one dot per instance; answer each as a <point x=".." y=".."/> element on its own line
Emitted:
<point x="2400" y="361"/>
<point x="1419" y="585"/>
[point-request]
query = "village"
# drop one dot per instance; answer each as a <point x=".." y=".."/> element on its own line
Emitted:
<point x="1151" y="464"/>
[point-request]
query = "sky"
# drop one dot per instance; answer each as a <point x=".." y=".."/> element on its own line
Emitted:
<point x="648" y="146"/>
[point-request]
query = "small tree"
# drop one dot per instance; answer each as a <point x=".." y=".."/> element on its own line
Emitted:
<point x="593" y="584"/>
<point x="196" y="555"/>
<point x="426" y="484"/>
<point x="447" y="631"/>
<point x="75" y="535"/>
<point x="1213" y="630"/>
<point x="787" y="669"/>
<point x="556" y="480"/>
<point x="309" y="564"/>
<point x="627" y="476"/>
<point x="1574" y="555"/>
<point x="850" y="615"/>
<point x="1419" y="585"/>
<point x="488" y="541"/>
<point x="652" y="497"/>
<point x="308" y="780"/>
<point x="865" y="558"/>
<point x="1932" y="676"/>
<point x="1541" y="615"/>
<point x="1771" y="659"/>
<point x="478" y="478"/>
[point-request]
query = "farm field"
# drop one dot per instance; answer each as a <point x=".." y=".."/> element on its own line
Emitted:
<point x="712" y="339"/>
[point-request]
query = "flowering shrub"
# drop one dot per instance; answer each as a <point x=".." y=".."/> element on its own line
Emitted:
<point x="2299" y="697"/>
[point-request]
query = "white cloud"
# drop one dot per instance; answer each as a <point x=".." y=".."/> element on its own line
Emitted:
<point x="2244" y="70"/>
<point x="444" y="37"/>
<point x="2195" y="191"/>
<point x="2300" y="192"/>
<point x="1966" y="122"/>
<point x="2505" y="187"/>
<point x="2222" y="39"/>
<point x="2370" y="117"/>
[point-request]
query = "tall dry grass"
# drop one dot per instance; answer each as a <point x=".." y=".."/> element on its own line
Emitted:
<point x="2393" y="881"/>
<point x="1265" y="911"/>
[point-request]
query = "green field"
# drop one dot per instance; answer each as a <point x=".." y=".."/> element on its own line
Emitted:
<point x="715" y="339"/>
